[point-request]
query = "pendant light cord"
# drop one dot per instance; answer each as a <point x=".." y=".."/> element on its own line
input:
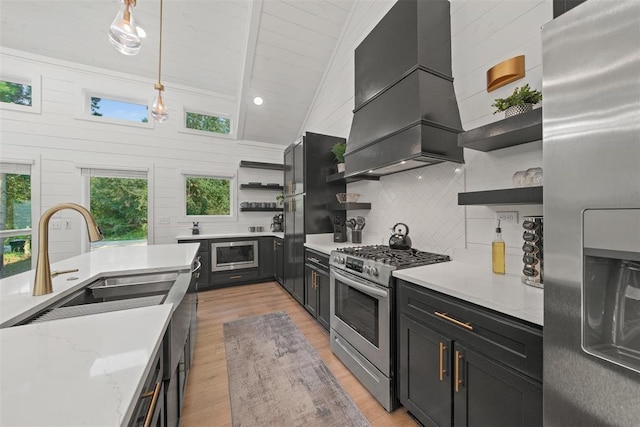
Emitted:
<point x="160" y="49"/>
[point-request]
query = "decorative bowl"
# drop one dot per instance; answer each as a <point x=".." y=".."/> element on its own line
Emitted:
<point x="347" y="197"/>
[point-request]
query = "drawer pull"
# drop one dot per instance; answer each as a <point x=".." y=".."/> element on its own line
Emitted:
<point x="443" y="369"/>
<point x="458" y="380"/>
<point x="444" y="316"/>
<point x="152" y="407"/>
<point x="235" y="277"/>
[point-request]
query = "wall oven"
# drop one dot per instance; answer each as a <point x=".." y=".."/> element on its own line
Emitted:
<point x="234" y="255"/>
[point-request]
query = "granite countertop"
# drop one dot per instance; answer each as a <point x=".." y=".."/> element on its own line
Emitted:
<point x="229" y="234"/>
<point x="17" y="302"/>
<point x="88" y="370"/>
<point x="478" y="285"/>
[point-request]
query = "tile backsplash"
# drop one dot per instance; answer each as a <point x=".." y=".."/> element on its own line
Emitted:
<point x="425" y="199"/>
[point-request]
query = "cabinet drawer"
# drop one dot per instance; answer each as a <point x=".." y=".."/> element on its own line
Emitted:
<point x="230" y="277"/>
<point x="317" y="259"/>
<point x="512" y="342"/>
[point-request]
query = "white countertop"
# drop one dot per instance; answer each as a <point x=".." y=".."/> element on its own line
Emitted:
<point x="16" y="299"/>
<point x="229" y="234"/>
<point x="478" y="285"/>
<point x="86" y="371"/>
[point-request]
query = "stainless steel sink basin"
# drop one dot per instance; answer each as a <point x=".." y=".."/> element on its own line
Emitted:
<point x="111" y="294"/>
<point x="132" y="286"/>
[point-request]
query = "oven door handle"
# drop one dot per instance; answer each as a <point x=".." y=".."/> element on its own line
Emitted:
<point x="361" y="287"/>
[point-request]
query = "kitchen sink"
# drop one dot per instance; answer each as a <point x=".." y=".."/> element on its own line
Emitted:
<point x="111" y="294"/>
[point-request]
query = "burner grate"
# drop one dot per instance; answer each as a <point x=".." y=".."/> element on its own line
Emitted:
<point x="399" y="258"/>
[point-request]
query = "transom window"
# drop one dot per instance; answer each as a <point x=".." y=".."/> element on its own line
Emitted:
<point x="120" y="110"/>
<point x="207" y="123"/>
<point x="15" y="93"/>
<point x="208" y="196"/>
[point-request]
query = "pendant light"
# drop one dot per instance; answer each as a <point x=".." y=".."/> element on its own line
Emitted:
<point x="159" y="111"/>
<point x="123" y="33"/>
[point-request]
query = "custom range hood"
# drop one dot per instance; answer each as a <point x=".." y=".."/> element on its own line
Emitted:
<point x="406" y="115"/>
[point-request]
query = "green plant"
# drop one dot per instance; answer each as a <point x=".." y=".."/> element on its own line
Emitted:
<point x="519" y="96"/>
<point x="338" y="150"/>
<point x="280" y="198"/>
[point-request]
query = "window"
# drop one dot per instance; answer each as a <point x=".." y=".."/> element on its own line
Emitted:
<point x="206" y="123"/>
<point x="208" y="196"/>
<point x="120" y="110"/>
<point x="15" y="93"/>
<point x="15" y="218"/>
<point x="118" y="199"/>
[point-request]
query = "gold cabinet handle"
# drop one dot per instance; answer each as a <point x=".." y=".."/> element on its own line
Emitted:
<point x="274" y="245"/>
<point x="443" y="369"/>
<point x="313" y="279"/>
<point x="444" y="316"/>
<point x="154" y="402"/>
<point x="235" y="277"/>
<point x="458" y="380"/>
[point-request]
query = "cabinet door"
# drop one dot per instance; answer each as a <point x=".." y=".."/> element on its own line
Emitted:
<point x="298" y="249"/>
<point x="288" y="171"/>
<point x="298" y="167"/>
<point x="424" y="372"/>
<point x="324" y="299"/>
<point x="204" y="278"/>
<point x="311" y="291"/>
<point x="289" y="244"/>
<point x="490" y="394"/>
<point x="265" y="260"/>
<point x="279" y="260"/>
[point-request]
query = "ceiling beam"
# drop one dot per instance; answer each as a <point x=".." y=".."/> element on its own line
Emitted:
<point x="255" y="12"/>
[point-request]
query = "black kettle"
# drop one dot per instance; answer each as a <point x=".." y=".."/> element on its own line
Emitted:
<point x="400" y="238"/>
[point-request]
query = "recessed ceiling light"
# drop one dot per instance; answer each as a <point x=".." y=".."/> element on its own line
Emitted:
<point x="257" y="100"/>
<point x="403" y="162"/>
<point x="371" y="171"/>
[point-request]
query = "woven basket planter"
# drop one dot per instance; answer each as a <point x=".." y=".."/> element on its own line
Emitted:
<point x="517" y="109"/>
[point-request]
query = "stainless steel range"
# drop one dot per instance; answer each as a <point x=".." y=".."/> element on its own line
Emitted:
<point x="362" y="329"/>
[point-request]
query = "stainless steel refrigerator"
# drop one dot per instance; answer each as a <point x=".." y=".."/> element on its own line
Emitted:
<point x="591" y="149"/>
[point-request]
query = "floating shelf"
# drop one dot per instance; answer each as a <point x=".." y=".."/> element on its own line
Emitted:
<point x="339" y="177"/>
<point x="515" y="130"/>
<point x="508" y="196"/>
<point x="261" y="187"/>
<point x="347" y="206"/>
<point x="260" y="165"/>
<point x="261" y="209"/>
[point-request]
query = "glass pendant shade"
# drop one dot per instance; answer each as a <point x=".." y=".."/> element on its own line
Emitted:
<point x="123" y="33"/>
<point x="159" y="110"/>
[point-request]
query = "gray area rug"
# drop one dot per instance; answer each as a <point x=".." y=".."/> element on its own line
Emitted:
<point x="276" y="378"/>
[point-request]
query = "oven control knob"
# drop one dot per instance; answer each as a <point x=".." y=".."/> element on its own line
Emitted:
<point x="367" y="269"/>
<point x="341" y="260"/>
<point x="336" y="259"/>
<point x="374" y="271"/>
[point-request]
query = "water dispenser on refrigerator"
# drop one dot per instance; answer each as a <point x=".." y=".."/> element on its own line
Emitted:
<point x="611" y="285"/>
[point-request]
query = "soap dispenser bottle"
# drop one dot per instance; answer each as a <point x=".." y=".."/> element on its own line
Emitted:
<point x="497" y="252"/>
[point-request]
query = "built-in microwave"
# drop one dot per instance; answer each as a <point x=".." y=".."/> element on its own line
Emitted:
<point x="234" y="255"/>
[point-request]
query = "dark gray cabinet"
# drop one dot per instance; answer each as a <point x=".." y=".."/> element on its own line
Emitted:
<point x="204" y="274"/>
<point x="294" y="246"/>
<point x="150" y="408"/>
<point x="463" y="365"/>
<point x="307" y="163"/>
<point x="278" y="259"/>
<point x="265" y="259"/>
<point x="317" y="294"/>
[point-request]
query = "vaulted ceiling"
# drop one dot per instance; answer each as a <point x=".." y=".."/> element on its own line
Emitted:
<point x="276" y="49"/>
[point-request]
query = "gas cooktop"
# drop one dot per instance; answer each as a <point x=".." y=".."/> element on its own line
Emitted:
<point x="398" y="258"/>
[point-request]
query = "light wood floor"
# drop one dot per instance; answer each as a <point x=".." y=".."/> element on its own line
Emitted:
<point x="207" y="396"/>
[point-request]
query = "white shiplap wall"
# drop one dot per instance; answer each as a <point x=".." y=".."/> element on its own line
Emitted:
<point x="60" y="141"/>
<point x="483" y="34"/>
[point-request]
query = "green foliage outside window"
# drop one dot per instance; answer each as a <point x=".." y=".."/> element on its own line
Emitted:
<point x="208" y="196"/>
<point x="15" y="213"/>
<point x="120" y="207"/>
<point x="208" y="123"/>
<point x="15" y="93"/>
